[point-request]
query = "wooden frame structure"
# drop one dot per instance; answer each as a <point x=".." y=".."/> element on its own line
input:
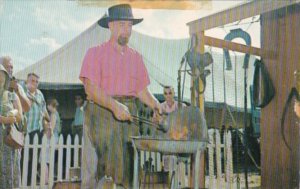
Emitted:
<point x="289" y="175"/>
<point x="257" y="7"/>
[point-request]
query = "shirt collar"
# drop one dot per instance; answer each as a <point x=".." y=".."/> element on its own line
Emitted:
<point x="115" y="48"/>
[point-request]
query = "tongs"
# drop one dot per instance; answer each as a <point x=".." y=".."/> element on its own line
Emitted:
<point x="160" y="127"/>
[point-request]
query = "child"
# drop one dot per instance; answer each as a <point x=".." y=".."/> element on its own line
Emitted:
<point x="51" y="129"/>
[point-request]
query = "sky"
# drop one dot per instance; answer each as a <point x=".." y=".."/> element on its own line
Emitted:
<point x="30" y="30"/>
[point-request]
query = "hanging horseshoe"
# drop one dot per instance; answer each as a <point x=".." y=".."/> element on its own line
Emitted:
<point x="237" y="33"/>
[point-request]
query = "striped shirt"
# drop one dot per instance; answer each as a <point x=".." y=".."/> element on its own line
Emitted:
<point x="35" y="114"/>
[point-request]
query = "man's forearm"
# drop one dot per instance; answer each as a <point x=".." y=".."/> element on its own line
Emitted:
<point x="146" y="97"/>
<point x="25" y="102"/>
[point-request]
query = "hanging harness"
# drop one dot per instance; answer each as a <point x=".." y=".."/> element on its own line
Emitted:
<point x="201" y="61"/>
<point x="263" y="88"/>
<point x="295" y="92"/>
<point x="237" y="33"/>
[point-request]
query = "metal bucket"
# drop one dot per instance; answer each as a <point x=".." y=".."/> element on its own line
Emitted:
<point x="167" y="146"/>
<point x="187" y="117"/>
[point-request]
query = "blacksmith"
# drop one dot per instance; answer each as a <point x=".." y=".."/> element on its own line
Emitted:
<point x="114" y="76"/>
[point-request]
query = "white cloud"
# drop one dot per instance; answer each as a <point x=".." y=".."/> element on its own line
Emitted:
<point x="172" y="23"/>
<point x="61" y="18"/>
<point x="51" y="43"/>
<point x="165" y="23"/>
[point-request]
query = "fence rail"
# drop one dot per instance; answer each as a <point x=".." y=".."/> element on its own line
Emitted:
<point x="217" y="152"/>
<point x="61" y="155"/>
<point x="44" y="154"/>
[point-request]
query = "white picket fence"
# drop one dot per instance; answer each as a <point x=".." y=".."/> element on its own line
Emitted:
<point x="63" y="164"/>
<point x="216" y="151"/>
<point x="218" y="179"/>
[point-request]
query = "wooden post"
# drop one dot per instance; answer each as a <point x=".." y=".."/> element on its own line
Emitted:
<point x="279" y="165"/>
<point x="200" y="49"/>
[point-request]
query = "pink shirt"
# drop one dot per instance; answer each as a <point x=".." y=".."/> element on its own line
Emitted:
<point x="117" y="74"/>
<point x="168" y="109"/>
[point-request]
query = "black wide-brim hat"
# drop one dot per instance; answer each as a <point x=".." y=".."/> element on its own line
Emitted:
<point x="118" y="12"/>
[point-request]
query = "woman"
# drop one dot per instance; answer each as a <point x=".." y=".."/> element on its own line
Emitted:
<point x="9" y="157"/>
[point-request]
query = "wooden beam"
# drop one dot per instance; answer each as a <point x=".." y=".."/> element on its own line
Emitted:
<point x="223" y="44"/>
<point x="240" y="12"/>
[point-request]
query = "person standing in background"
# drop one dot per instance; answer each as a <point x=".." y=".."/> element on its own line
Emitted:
<point x="14" y="85"/>
<point x="77" y="124"/>
<point x="9" y="157"/>
<point x="170" y="104"/>
<point x="52" y="129"/>
<point x="37" y="114"/>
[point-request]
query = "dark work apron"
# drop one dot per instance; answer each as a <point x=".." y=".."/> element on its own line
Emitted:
<point x="111" y="140"/>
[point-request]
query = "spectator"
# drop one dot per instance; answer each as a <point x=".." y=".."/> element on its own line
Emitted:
<point x="170" y="105"/>
<point x="37" y="114"/>
<point x="78" y="117"/>
<point x="54" y="126"/>
<point x="52" y="129"/>
<point x="9" y="157"/>
<point x="14" y="85"/>
<point x="18" y="91"/>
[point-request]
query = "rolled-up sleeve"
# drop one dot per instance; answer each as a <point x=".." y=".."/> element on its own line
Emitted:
<point x="90" y="67"/>
<point x="143" y="76"/>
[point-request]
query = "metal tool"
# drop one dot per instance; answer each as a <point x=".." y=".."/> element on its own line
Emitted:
<point x="148" y="122"/>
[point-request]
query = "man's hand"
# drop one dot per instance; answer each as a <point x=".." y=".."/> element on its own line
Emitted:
<point x="8" y="120"/>
<point x="121" y="112"/>
<point x="157" y="113"/>
<point x="14" y="85"/>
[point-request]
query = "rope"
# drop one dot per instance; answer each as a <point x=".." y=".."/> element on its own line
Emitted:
<point x="245" y="125"/>
<point x="224" y="80"/>
<point x="183" y="82"/>
<point x="250" y="24"/>
<point x="236" y="115"/>
<point x="159" y="70"/>
<point x="156" y="68"/>
<point x="240" y="24"/>
<point x="184" y="76"/>
<point x="213" y="89"/>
